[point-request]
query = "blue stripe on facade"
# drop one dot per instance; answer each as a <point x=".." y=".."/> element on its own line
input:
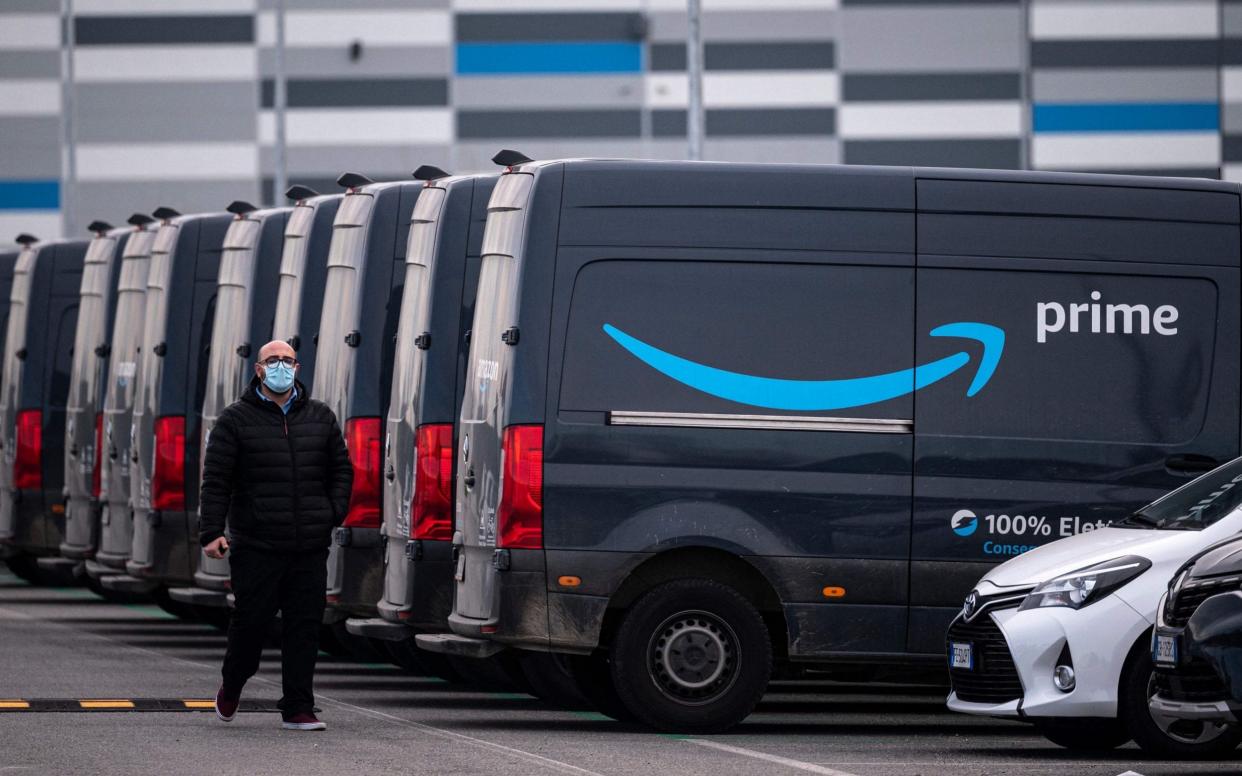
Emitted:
<point x="1127" y="117"/>
<point x="29" y="195"/>
<point x="548" y="58"/>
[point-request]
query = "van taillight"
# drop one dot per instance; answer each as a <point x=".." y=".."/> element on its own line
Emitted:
<point x="362" y="436"/>
<point x="519" y="519"/>
<point x="433" y="483"/>
<point x="96" y="472"/>
<point x="28" y="460"/>
<point x="168" y="474"/>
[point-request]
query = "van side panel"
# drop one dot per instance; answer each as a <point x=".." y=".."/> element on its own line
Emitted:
<point x="1119" y="367"/>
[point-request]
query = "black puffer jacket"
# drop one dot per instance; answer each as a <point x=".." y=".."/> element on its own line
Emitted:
<point x="282" y="481"/>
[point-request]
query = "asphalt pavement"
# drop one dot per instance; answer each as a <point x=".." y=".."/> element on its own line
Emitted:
<point x="62" y="646"/>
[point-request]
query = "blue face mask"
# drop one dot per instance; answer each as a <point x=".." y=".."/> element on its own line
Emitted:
<point x="278" y="378"/>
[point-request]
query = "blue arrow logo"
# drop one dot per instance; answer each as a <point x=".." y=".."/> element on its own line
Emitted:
<point x="778" y="394"/>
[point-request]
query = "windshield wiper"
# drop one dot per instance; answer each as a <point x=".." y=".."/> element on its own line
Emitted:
<point x="1141" y="518"/>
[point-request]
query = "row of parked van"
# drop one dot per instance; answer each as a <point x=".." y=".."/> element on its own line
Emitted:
<point x="642" y="434"/>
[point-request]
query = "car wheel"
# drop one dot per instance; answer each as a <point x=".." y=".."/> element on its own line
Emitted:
<point x="1167" y="737"/>
<point x="550" y="680"/>
<point x="593" y="675"/>
<point x="1083" y="734"/>
<point x="692" y="656"/>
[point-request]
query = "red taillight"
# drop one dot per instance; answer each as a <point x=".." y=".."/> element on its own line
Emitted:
<point x="519" y="519"/>
<point x="96" y="473"/>
<point x="28" y="461"/>
<point x="433" y="483"/>
<point x="168" y="476"/>
<point x="362" y="436"/>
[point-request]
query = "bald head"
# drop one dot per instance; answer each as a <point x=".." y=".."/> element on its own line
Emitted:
<point x="276" y="348"/>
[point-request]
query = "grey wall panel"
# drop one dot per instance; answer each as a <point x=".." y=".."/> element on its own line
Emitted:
<point x="477" y="124"/>
<point x="139" y="113"/>
<point x="787" y="55"/>
<point x="477" y="155"/>
<point x="377" y="162"/>
<point x="901" y="87"/>
<point x="335" y="5"/>
<point x="32" y="6"/>
<point x="163" y="30"/>
<point x="1195" y="84"/>
<point x="1231" y="18"/>
<point x="766" y="121"/>
<point x="335" y="62"/>
<point x="31" y="147"/>
<point x="999" y="154"/>
<point x="372" y="92"/>
<point x="29" y="64"/>
<point x="548" y="26"/>
<point x="603" y="91"/>
<point x="943" y="38"/>
<point x="748" y="25"/>
<point x="116" y="199"/>
<point x="1124" y="53"/>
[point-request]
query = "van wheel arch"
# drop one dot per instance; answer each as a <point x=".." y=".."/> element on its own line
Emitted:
<point x="700" y="563"/>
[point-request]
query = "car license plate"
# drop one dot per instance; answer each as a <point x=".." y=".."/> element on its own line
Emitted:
<point x="962" y="655"/>
<point x="1164" y="650"/>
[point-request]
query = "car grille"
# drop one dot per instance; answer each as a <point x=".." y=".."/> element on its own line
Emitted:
<point x="1181" y="605"/>
<point x="994" y="678"/>
<point x="1194" y="682"/>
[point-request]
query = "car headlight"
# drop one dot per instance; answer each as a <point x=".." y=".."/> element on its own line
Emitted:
<point x="1086" y="586"/>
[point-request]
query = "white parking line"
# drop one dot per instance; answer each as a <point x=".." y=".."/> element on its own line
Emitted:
<point x="772" y="758"/>
<point x="521" y="754"/>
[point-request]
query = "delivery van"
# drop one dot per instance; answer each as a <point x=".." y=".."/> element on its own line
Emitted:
<point x="299" y="296"/>
<point x="34" y="390"/>
<point x="721" y="417"/>
<point x="172" y="369"/>
<point x="102" y="288"/>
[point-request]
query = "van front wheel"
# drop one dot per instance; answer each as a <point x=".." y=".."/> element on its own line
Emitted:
<point x="691" y="656"/>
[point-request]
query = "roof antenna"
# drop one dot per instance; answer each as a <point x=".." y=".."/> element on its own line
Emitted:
<point x="25" y="239"/>
<point x="98" y="227"/>
<point x="429" y="172"/>
<point x="240" y="208"/>
<point x="509" y="158"/>
<point x="299" y="192"/>
<point x="165" y="213"/>
<point x="352" y="180"/>
<point x="139" y="220"/>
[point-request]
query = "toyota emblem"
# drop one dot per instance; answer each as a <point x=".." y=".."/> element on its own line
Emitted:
<point x="972" y="602"/>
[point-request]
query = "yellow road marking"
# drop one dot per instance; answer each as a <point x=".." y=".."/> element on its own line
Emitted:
<point x="199" y="704"/>
<point x="14" y="705"/>
<point x="106" y="704"/>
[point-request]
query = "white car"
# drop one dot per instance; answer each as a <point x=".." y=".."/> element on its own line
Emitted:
<point x="1061" y="636"/>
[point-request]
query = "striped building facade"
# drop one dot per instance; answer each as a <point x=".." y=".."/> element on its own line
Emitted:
<point x="172" y="100"/>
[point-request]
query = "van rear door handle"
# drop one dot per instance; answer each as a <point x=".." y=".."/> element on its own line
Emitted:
<point x="1190" y="464"/>
<point x="468" y="480"/>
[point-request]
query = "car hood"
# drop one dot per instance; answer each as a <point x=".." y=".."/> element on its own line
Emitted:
<point x="1087" y="549"/>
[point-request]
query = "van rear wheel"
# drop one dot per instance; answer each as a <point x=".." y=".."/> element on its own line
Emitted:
<point x="692" y="656"/>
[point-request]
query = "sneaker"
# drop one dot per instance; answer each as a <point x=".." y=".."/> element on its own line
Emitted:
<point x="226" y="708"/>
<point x="304" y="721"/>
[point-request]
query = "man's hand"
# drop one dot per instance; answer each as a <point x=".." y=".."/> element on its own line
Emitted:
<point x="217" y="548"/>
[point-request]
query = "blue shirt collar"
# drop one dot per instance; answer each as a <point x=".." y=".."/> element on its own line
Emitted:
<point x="288" y="402"/>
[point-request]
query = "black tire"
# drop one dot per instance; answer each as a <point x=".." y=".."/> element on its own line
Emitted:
<point x="439" y="666"/>
<point x="551" y="681"/>
<point x="498" y="673"/>
<point x="406" y="656"/>
<point x="593" y="675"/>
<point x="357" y="647"/>
<point x="1166" y="739"/>
<point x="692" y="656"/>
<point x="177" y="609"/>
<point x="328" y="642"/>
<point x="26" y="568"/>
<point x="1085" y="734"/>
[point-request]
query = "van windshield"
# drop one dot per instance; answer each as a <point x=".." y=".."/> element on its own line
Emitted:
<point x="1193" y="506"/>
<point x="498" y="281"/>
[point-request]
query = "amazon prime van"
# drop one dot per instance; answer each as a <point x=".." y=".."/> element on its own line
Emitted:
<point x="298" y="298"/>
<point x="113" y="275"/>
<point x="353" y="371"/>
<point x="107" y="555"/>
<point x="172" y="367"/>
<point x="437" y="306"/>
<point x="721" y="417"/>
<point x="34" y="389"/>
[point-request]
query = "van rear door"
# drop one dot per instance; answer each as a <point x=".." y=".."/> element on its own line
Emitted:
<point x="1117" y="379"/>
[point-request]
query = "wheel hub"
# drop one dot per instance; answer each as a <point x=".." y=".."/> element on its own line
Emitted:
<point x="693" y="657"/>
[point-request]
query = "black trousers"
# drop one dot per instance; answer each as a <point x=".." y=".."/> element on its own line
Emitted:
<point x="263" y="583"/>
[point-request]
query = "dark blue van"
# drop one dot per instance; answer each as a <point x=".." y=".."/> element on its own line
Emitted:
<point x="295" y="317"/>
<point x="721" y="417"/>
<point x="34" y="391"/>
<point x="415" y="593"/>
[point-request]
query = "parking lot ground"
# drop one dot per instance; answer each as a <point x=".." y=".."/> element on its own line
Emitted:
<point x="63" y="645"/>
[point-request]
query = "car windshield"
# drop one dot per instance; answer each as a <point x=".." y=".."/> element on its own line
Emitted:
<point x="1193" y="506"/>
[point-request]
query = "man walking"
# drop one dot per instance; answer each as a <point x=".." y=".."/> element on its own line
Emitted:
<point x="276" y="467"/>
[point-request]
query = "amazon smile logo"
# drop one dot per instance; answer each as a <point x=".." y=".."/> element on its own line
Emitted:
<point x="806" y="395"/>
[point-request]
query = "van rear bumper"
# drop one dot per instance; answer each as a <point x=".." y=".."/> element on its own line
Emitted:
<point x="124" y="583"/>
<point x="197" y="596"/>
<point x="377" y="628"/>
<point x="97" y="570"/>
<point x="460" y="646"/>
